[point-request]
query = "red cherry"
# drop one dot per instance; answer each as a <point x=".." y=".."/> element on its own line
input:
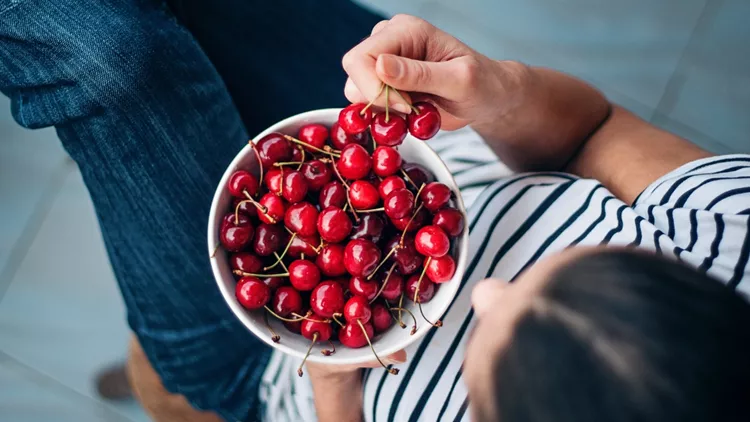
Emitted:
<point x="426" y="289"/>
<point x="389" y="133"/>
<point x="275" y="209"/>
<point x="363" y="195"/>
<point x="294" y="327"/>
<point x="361" y="257"/>
<point x="333" y="194"/>
<point x="273" y="283"/>
<point x="399" y="204"/>
<point x="385" y="161"/>
<point x="418" y="222"/>
<point x="245" y="208"/>
<point x="317" y="174"/>
<point x="302" y="218"/>
<point x="354" y="118"/>
<point x="334" y="224"/>
<point x="269" y="238"/>
<point x="360" y="286"/>
<point x="314" y="134"/>
<point x="370" y="227"/>
<point x="304" y="245"/>
<point x="273" y="148"/>
<point x="242" y="181"/>
<point x="381" y="317"/>
<point x="426" y="124"/>
<point x="295" y="186"/>
<point x="252" y="293"/>
<point x="303" y="275"/>
<point x="352" y="336"/>
<point x="340" y="139"/>
<point x="432" y="241"/>
<point x="450" y="220"/>
<point x="297" y="153"/>
<point x="435" y="195"/>
<point x="389" y="184"/>
<point x="327" y="299"/>
<point x="354" y="163"/>
<point x="316" y="325"/>
<point x="331" y="260"/>
<point x="418" y="174"/>
<point x="286" y="301"/>
<point x="406" y="257"/>
<point x="236" y="234"/>
<point x="394" y="286"/>
<point x="273" y="180"/>
<point x="440" y="270"/>
<point x="357" y="308"/>
<point x="246" y="262"/>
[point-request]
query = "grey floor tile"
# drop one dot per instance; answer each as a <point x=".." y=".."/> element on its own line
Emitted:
<point x="711" y="92"/>
<point x="62" y="314"/>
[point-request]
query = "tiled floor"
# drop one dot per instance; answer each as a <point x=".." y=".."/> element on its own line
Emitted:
<point x="683" y="64"/>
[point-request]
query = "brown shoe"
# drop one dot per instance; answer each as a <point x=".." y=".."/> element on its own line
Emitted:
<point x="112" y="383"/>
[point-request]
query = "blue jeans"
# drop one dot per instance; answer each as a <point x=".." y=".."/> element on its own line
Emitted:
<point x="153" y="100"/>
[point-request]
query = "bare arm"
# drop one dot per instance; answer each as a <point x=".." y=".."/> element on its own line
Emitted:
<point x="337" y="396"/>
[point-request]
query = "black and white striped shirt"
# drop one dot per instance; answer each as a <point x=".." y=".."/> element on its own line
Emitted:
<point x="699" y="213"/>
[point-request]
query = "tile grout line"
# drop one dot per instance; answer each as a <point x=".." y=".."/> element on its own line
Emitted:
<point x="39" y="377"/>
<point x="33" y="225"/>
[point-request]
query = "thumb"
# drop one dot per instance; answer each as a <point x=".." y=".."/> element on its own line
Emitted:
<point x="414" y="75"/>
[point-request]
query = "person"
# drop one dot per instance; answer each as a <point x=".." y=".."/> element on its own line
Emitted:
<point x="614" y="258"/>
<point x="153" y="99"/>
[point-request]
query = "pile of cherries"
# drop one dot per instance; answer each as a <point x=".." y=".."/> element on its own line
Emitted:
<point x="335" y="230"/>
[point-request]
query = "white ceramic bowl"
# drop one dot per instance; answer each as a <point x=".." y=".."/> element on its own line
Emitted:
<point x="412" y="150"/>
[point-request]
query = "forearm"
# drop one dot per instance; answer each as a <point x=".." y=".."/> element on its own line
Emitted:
<point x="338" y="397"/>
<point x="549" y="116"/>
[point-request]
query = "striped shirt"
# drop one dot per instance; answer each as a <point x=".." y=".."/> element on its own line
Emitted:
<point x="699" y="213"/>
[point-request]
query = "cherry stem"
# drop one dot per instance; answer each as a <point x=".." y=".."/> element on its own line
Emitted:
<point x="373" y="210"/>
<point x="392" y="371"/>
<point x="346" y="186"/>
<point x="388" y="255"/>
<point x="216" y="249"/>
<point x="244" y="274"/>
<point x="281" y="182"/>
<point x="436" y="324"/>
<point x="390" y="311"/>
<point x="260" y="163"/>
<point x="382" y="286"/>
<point x="314" y="148"/>
<point x="279" y="258"/>
<point x="274" y="337"/>
<point x="287" y="163"/>
<point x="314" y="340"/>
<point x="281" y="262"/>
<point x="413" y="216"/>
<point x="260" y="207"/>
<point x="400" y="305"/>
<point x="362" y="112"/>
<point x="335" y="318"/>
<point x="408" y="179"/>
<point x="414" y="327"/>
<point x="302" y="150"/>
<point x="277" y="316"/>
<point x="329" y="352"/>
<point x="387" y="114"/>
<point x="419" y="282"/>
<point x="315" y="248"/>
<point x="414" y="109"/>
<point x="307" y="317"/>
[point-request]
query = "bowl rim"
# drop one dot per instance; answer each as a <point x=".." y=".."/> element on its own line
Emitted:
<point x="260" y="332"/>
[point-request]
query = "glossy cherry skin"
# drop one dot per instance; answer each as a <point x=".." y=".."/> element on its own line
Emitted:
<point x="246" y="262"/>
<point x="417" y="223"/>
<point x="426" y="289"/>
<point x="314" y="134"/>
<point x="286" y="300"/>
<point x="245" y="208"/>
<point x="363" y="195"/>
<point x="399" y="204"/>
<point x="440" y="270"/>
<point x="304" y="245"/>
<point x="273" y="283"/>
<point x="354" y="118"/>
<point x="370" y="227"/>
<point x="340" y="139"/>
<point x="360" y="286"/>
<point x="334" y="224"/>
<point x="389" y="133"/>
<point x="357" y="308"/>
<point x="354" y="163"/>
<point x="302" y="218"/>
<point x="236" y="234"/>
<point x="273" y="180"/>
<point x="297" y="155"/>
<point x="295" y="186"/>
<point x="435" y="196"/>
<point x="418" y="174"/>
<point x="242" y="181"/>
<point x="406" y="257"/>
<point x="352" y="336"/>
<point x="275" y="209"/>
<point x="426" y="124"/>
<point x="316" y="325"/>
<point x="381" y="317"/>
<point x="293" y="327"/>
<point x="331" y="260"/>
<point x="389" y="184"/>
<point x="333" y="194"/>
<point x="432" y="241"/>
<point x="269" y="238"/>
<point x="252" y="293"/>
<point x="303" y="275"/>
<point x="317" y="174"/>
<point x="450" y="220"/>
<point x="385" y="161"/>
<point x="361" y="257"/>
<point x="273" y="148"/>
<point x="327" y="299"/>
<point x="394" y="286"/>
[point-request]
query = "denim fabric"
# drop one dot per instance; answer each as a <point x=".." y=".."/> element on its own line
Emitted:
<point x="153" y="102"/>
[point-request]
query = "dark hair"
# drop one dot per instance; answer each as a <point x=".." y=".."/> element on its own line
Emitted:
<point x="623" y="336"/>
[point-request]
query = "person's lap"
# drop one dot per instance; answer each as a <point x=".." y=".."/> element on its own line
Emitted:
<point x="142" y="105"/>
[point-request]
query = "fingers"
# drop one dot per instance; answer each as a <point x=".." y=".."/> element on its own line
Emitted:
<point x="379" y="26"/>
<point x="404" y="74"/>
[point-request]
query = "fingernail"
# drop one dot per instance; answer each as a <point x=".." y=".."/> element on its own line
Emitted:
<point x="392" y="67"/>
<point x="402" y="108"/>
